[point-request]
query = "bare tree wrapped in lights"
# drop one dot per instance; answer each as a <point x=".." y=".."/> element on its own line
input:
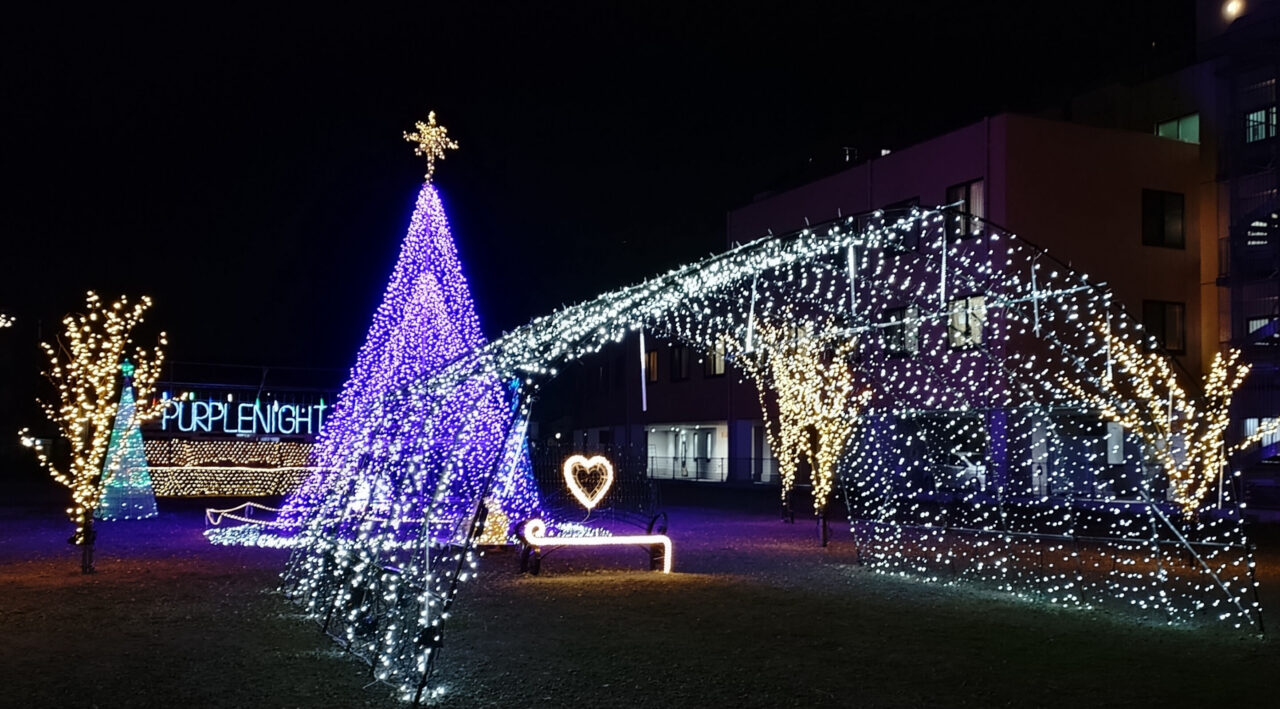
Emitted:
<point x="810" y="372"/>
<point x="84" y="367"/>
<point x="1182" y="431"/>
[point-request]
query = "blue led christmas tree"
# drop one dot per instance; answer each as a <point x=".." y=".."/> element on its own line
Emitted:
<point x="126" y="487"/>
<point x="426" y="320"/>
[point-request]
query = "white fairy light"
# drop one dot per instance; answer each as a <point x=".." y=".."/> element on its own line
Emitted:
<point x="945" y="420"/>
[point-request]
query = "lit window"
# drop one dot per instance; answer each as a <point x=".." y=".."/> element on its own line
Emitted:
<point x="1185" y="128"/>
<point x="969" y="202"/>
<point x="651" y="365"/>
<point x="1163" y="218"/>
<point x="1257" y="234"/>
<point x="1165" y="322"/>
<point x="1256" y="324"/>
<point x="713" y="365"/>
<point x="1260" y="124"/>
<point x="902" y="330"/>
<point x="966" y="317"/>
<point x="1252" y="425"/>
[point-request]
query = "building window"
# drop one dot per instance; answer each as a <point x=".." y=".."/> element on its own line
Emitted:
<point x="713" y="365"/>
<point x="1255" y="192"/>
<point x="651" y="365"/>
<point x="1163" y="217"/>
<point x="969" y="202"/>
<point x="1185" y="128"/>
<point x="1165" y="322"/>
<point x="1260" y="124"/>
<point x="679" y="363"/>
<point x="1251" y="426"/>
<point x="902" y="330"/>
<point x="1255" y="324"/>
<point x="1258" y="233"/>
<point x="966" y="318"/>
<point x="906" y="238"/>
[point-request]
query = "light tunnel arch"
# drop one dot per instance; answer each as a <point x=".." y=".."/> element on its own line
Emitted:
<point x="996" y="324"/>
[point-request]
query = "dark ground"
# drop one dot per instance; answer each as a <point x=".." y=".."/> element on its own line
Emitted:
<point x="757" y="615"/>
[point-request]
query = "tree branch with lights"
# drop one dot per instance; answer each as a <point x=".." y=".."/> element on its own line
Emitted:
<point x="85" y="364"/>
<point x="1144" y="396"/>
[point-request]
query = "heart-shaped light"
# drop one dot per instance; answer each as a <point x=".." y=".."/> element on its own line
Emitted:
<point x="576" y="466"/>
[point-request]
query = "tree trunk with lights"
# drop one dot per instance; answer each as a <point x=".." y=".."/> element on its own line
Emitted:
<point x="86" y="539"/>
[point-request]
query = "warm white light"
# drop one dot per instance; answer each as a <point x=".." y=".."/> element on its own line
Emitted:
<point x="227" y="468"/>
<point x="1233" y="9"/>
<point x="966" y="448"/>
<point x="430" y="141"/>
<point x="534" y="530"/>
<point x="574" y="465"/>
<point x="85" y="368"/>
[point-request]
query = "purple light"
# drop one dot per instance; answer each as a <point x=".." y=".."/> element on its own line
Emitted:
<point x="425" y="321"/>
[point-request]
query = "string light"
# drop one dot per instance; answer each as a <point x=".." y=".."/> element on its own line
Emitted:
<point x="385" y="533"/>
<point x="497" y="526"/>
<point x="83" y="366"/>
<point x="430" y="141"/>
<point x="126" y="491"/>
<point x="576" y="465"/>
<point x="809" y="374"/>
<point x="187" y="452"/>
<point x="215" y="516"/>
<point x="426" y="319"/>
<point x="227" y="468"/>
<point x="1184" y="434"/>
<point x="534" y="534"/>
<point x="944" y="356"/>
<point x="227" y="480"/>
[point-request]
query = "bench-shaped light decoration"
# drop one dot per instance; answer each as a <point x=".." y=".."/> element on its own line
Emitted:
<point x="534" y="530"/>
<point x="578" y="466"/>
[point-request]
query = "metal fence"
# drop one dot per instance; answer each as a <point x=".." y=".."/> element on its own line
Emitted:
<point x="633" y="497"/>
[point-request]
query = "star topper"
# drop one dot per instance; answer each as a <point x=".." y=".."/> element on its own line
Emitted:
<point x="430" y="142"/>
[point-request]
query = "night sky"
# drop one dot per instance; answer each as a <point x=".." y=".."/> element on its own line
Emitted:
<point x="246" y="168"/>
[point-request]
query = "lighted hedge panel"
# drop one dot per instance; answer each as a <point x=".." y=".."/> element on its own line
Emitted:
<point x="226" y="468"/>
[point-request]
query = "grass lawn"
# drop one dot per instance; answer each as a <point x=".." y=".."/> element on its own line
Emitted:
<point x="756" y="616"/>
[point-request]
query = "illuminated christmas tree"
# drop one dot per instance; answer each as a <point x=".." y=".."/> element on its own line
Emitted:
<point x="126" y="487"/>
<point x="426" y="320"/>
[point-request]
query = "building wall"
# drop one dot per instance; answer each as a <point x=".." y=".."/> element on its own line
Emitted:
<point x="1077" y="191"/>
<point x="1074" y="189"/>
<point x="923" y="171"/>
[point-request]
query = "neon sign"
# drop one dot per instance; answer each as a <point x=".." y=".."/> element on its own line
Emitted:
<point x="247" y="418"/>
